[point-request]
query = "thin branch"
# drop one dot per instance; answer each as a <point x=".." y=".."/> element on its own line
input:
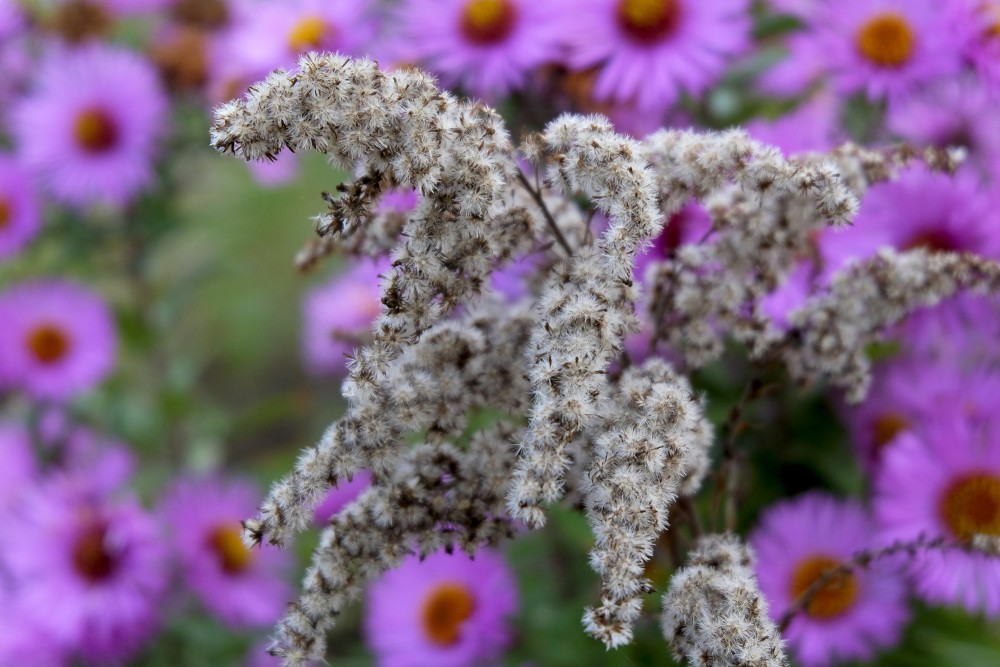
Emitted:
<point x="862" y="560"/>
<point x="537" y="196"/>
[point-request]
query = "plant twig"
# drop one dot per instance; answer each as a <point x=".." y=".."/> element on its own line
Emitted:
<point x="537" y="196"/>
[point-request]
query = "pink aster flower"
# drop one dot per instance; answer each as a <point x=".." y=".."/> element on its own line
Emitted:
<point x="920" y="209"/>
<point x="19" y="214"/>
<point x="485" y="46"/>
<point x="58" y="338"/>
<point x="106" y="463"/>
<point x="447" y="610"/>
<point x="338" y="315"/>
<point x="886" y="47"/>
<point x="90" y="126"/>
<point x="274" y="33"/>
<point x="945" y="481"/>
<point x="652" y="51"/>
<point x="23" y="641"/>
<point x="338" y="497"/>
<point x="90" y="572"/>
<point x="242" y="588"/>
<point x="853" y="615"/>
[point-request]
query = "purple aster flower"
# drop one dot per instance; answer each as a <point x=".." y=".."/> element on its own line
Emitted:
<point x="448" y="610"/>
<point x="19" y="465"/>
<point x="486" y="46"/>
<point x="652" y="51"/>
<point x="952" y="113"/>
<point x="920" y="209"/>
<point x="58" y="338"/>
<point x="107" y="464"/>
<point x="978" y="23"/>
<point x="275" y="173"/>
<point x="89" y="572"/>
<point x="853" y="615"/>
<point x="907" y="393"/>
<point x="338" y="497"/>
<point x="337" y="316"/>
<point x="945" y="481"/>
<point x="23" y="641"/>
<point x="961" y="332"/>
<point x="242" y="588"/>
<point x="886" y="47"/>
<point x="274" y="33"/>
<point x="790" y="294"/>
<point x="19" y="214"/>
<point x="90" y="126"/>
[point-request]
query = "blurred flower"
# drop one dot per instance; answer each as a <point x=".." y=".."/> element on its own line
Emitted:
<point x="88" y="571"/>
<point x="448" y="610"/>
<point x="275" y="173"/>
<point x="813" y="126"/>
<point x="906" y="393"/>
<point x="58" y="338"/>
<point x="107" y="463"/>
<point x="23" y="641"/>
<point x="91" y="124"/>
<point x="19" y="214"/>
<point x="979" y="24"/>
<point x="18" y="461"/>
<point x="337" y="316"/>
<point x="920" y="209"/>
<point x="652" y="51"/>
<point x="961" y="332"/>
<point x="881" y="47"/>
<point x="853" y="614"/>
<point x="485" y="46"/>
<point x="338" y="497"/>
<point x="945" y="481"/>
<point x="273" y="33"/>
<point x="242" y="588"/>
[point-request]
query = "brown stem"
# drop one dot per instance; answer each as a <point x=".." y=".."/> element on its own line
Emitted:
<point x="862" y="560"/>
<point x="537" y="196"/>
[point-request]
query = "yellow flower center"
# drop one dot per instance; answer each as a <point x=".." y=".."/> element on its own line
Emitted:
<point x="445" y="608"/>
<point x="91" y="559"/>
<point x="835" y="597"/>
<point x="887" y="40"/>
<point x="488" y="21"/>
<point x="95" y="131"/>
<point x="649" y="20"/>
<point x="971" y="506"/>
<point x="6" y="214"/>
<point x="233" y="555"/>
<point x="308" y="34"/>
<point x="48" y="343"/>
<point x="887" y="426"/>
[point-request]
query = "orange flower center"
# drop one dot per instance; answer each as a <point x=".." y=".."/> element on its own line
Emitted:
<point x="6" y="214"/>
<point x="308" y="34"/>
<point x="488" y="21"/>
<point x="227" y="542"/>
<point x="649" y="20"/>
<point x="835" y="596"/>
<point x="95" y="131"/>
<point x="48" y="343"/>
<point x="182" y="58"/>
<point x="971" y="506"/>
<point x="887" y="426"/>
<point x="887" y="40"/>
<point x="446" y="607"/>
<point x="90" y="555"/>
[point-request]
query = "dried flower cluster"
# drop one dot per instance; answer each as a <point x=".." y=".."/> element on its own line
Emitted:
<point x="714" y="614"/>
<point x="628" y="442"/>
